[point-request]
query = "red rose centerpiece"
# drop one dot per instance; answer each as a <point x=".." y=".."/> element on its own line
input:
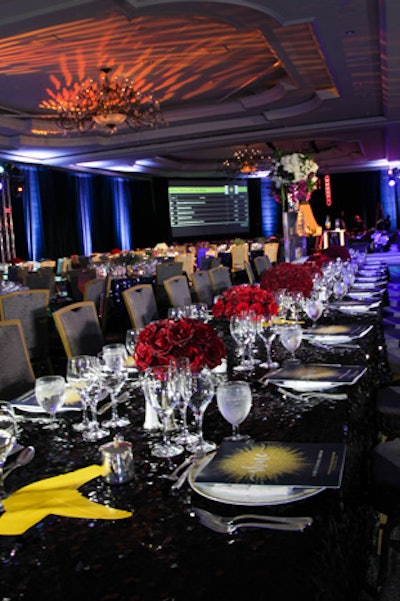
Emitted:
<point x="166" y="340"/>
<point x="239" y="299"/>
<point x="291" y="277"/>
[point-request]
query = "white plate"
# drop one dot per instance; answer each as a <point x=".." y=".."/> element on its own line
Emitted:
<point x="307" y="385"/>
<point x="358" y="295"/>
<point x="247" y="494"/>
<point x="28" y="403"/>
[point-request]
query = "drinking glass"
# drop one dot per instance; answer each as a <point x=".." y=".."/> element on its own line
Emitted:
<point x="234" y="403"/>
<point x="161" y="386"/>
<point x="8" y="437"/>
<point x="242" y="334"/>
<point x="314" y="308"/>
<point x="268" y="333"/>
<point x="113" y="359"/>
<point x="94" y="391"/>
<point x="200" y="393"/>
<point x="50" y="395"/>
<point x="183" y="373"/>
<point x="130" y="345"/>
<point x="78" y="377"/>
<point x="339" y="289"/>
<point x="291" y="336"/>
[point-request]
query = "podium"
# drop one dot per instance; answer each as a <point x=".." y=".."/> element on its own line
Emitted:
<point x="337" y="233"/>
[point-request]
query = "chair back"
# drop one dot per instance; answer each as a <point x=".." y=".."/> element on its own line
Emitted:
<point x="240" y="256"/>
<point x="178" y="291"/>
<point x="43" y="278"/>
<point x="93" y="290"/>
<point x="271" y="251"/>
<point x="250" y="273"/>
<point x="79" y="328"/>
<point x="166" y="270"/>
<point x="187" y="260"/>
<point x="31" y="308"/>
<point x="261" y="264"/>
<point x="140" y="303"/>
<point x="202" y="286"/>
<point x="16" y="374"/>
<point x="220" y="279"/>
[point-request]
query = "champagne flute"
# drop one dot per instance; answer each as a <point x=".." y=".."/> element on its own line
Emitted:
<point x="8" y="437"/>
<point x="130" y="344"/>
<point x="291" y="336"/>
<point x="113" y="358"/>
<point x="183" y="373"/>
<point x="234" y="402"/>
<point x="268" y="333"/>
<point x="50" y="395"/>
<point x="78" y="377"/>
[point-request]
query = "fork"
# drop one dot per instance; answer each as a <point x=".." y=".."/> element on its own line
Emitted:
<point x="227" y="525"/>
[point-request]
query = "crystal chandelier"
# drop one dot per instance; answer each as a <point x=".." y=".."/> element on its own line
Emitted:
<point x="246" y="161"/>
<point x="108" y="104"/>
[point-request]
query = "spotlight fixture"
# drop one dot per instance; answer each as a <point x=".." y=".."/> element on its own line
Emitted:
<point x="393" y="175"/>
<point x="108" y="104"/>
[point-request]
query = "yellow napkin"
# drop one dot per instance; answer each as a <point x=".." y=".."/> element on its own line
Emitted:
<point x="58" y="495"/>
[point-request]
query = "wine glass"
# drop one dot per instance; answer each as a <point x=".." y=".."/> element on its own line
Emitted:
<point x="161" y="386"/>
<point x="78" y="377"/>
<point x="200" y="392"/>
<point x="339" y="289"/>
<point x="8" y="437"/>
<point x="234" y="403"/>
<point x="130" y="345"/>
<point x="113" y="359"/>
<point x="314" y="308"/>
<point x="268" y="333"/>
<point x="242" y="334"/>
<point x="50" y="395"/>
<point x="184" y="374"/>
<point x="291" y="336"/>
<point x="89" y="369"/>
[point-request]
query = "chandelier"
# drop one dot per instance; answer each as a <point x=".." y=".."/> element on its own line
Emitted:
<point x="246" y="161"/>
<point x="108" y="104"/>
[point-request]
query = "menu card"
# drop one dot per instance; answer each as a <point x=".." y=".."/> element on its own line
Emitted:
<point x="349" y="330"/>
<point x="343" y="374"/>
<point x="277" y="464"/>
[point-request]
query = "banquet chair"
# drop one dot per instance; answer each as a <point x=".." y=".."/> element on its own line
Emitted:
<point x="94" y="290"/>
<point x="220" y="279"/>
<point x="141" y="305"/>
<point x="240" y="256"/>
<point x="41" y="279"/>
<point x="250" y="273"/>
<point x="16" y="374"/>
<point x="79" y="328"/>
<point x="165" y="270"/>
<point x="202" y="286"/>
<point x="271" y="251"/>
<point x="261" y="264"/>
<point x="187" y="260"/>
<point x="385" y="496"/>
<point x="178" y="291"/>
<point x="31" y="308"/>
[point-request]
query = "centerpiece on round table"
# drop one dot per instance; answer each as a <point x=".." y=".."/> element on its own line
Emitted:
<point x="245" y="298"/>
<point x="166" y="340"/>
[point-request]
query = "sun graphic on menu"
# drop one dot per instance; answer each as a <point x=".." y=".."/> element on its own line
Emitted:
<point x="262" y="463"/>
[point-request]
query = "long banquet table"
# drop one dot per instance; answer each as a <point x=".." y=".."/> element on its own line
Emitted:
<point x="163" y="552"/>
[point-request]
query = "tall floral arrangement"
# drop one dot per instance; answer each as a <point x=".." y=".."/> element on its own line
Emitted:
<point x="237" y="299"/>
<point x="292" y="277"/>
<point x="294" y="177"/>
<point x="165" y="340"/>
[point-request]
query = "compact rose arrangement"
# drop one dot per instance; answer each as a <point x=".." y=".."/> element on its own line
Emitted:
<point x="292" y="277"/>
<point x="167" y="340"/>
<point x="238" y="299"/>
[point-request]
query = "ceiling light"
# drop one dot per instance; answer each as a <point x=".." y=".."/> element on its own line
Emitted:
<point x="108" y="104"/>
<point x="246" y="161"/>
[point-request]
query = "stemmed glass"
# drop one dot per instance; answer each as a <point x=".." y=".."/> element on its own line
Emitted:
<point x="8" y="437"/>
<point x="78" y="377"/>
<point x="268" y="333"/>
<point x="113" y="360"/>
<point x="183" y="373"/>
<point x="50" y="395"/>
<point x="291" y="336"/>
<point x="234" y="403"/>
<point x="339" y="289"/>
<point x="314" y="308"/>
<point x="242" y="333"/>
<point x="200" y="393"/>
<point x="91" y="372"/>
<point x="130" y="344"/>
<point x="161" y="386"/>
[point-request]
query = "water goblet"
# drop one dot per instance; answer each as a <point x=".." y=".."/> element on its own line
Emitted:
<point x="50" y="395"/>
<point x="200" y="394"/>
<point x="268" y="333"/>
<point x="234" y="402"/>
<point x="339" y="289"/>
<point x="161" y="387"/>
<point x="314" y="308"/>
<point x="8" y="437"/>
<point x="291" y="336"/>
<point x="112" y="360"/>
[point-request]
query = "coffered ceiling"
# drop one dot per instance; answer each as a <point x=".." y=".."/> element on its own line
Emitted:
<point x="320" y="76"/>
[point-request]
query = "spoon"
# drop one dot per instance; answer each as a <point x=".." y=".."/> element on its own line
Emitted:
<point x="25" y="457"/>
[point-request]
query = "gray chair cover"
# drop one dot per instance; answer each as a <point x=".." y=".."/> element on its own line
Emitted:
<point x="16" y="373"/>
<point x="140" y="302"/>
<point x="178" y="291"/>
<point x="79" y="328"/>
<point x="202" y="287"/>
<point x="220" y="279"/>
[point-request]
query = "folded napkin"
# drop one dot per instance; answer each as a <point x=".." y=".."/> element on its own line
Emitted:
<point x="58" y="495"/>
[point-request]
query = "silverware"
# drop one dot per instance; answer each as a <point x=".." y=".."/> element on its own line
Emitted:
<point x="182" y="478"/>
<point x="174" y="475"/>
<point x="121" y="399"/>
<point x="312" y="395"/>
<point x="228" y="525"/>
<point x="24" y="457"/>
